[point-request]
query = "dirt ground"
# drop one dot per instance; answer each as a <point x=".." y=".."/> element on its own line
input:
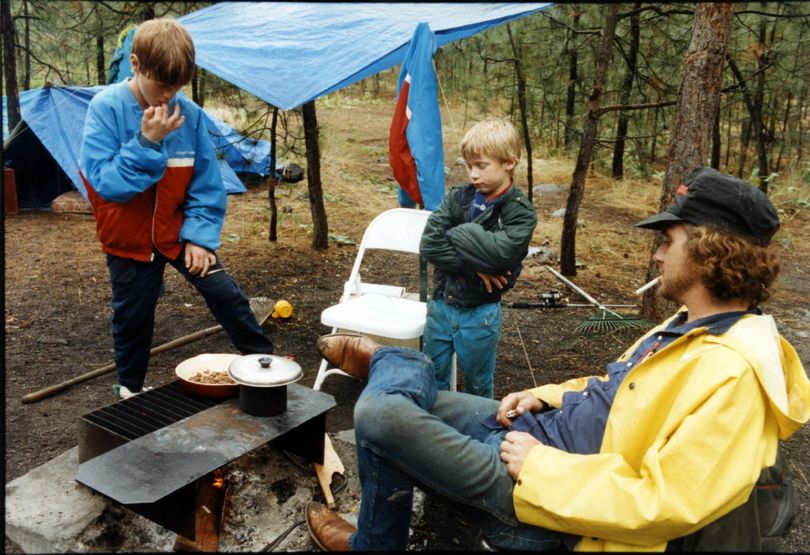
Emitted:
<point x="57" y="300"/>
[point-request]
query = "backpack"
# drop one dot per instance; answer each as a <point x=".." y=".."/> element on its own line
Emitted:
<point x="758" y="524"/>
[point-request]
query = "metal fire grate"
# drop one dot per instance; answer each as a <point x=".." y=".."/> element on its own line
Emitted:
<point x="148" y="452"/>
<point x="114" y="425"/>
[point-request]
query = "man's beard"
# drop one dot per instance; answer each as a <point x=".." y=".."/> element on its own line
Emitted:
<point x="673" y="287"/>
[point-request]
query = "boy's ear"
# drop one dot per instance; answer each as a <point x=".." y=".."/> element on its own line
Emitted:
<point x="510" y="164"/>
<point x="134" y="62"/>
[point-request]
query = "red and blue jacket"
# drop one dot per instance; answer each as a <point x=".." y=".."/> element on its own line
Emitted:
<point x="148" y="197"/>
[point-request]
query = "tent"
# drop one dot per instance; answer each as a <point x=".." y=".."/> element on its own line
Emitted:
<point x="288" y="53"/>
<point x="44" y="149"/>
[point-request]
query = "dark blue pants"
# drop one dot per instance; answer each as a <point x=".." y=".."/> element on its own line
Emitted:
<point x="135" y="290"/>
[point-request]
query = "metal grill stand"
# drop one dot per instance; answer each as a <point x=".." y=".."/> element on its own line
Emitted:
<point x="148" y="452"/>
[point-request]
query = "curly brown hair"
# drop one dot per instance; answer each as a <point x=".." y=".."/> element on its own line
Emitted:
<point x="730" y="266"/>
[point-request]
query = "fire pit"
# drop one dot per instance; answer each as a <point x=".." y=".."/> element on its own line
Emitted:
<point x="149" y="452"/>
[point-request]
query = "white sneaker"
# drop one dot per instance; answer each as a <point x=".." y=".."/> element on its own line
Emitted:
<point x="123" y="392"/>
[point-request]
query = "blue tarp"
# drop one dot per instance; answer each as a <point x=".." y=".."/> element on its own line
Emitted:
<point x="56" y="115"/>
<point x="119" y="66"/>
<point x="288" y="53"/>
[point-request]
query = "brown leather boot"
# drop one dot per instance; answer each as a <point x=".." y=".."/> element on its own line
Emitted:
<point x="328" y="530"/>
<point x="351" y="352"/>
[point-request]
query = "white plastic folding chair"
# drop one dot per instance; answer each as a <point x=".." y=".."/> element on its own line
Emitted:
<point x="381" y="310"/>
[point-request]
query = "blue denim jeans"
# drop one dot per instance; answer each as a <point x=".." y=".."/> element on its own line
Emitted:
<point x="135" y="291"/>
<point x="409" y="433"/>
<point x="473" y="334"/>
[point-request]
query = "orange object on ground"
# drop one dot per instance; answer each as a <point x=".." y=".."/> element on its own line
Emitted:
<point x="10" y="191"/>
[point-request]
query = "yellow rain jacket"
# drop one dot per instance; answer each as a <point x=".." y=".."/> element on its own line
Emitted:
<point x="688" y="434"/>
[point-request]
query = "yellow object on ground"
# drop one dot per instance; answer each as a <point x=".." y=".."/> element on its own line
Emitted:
<point x="282" y="309"/>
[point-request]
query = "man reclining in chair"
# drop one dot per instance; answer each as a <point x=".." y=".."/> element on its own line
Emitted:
<point x="670" y="440"/>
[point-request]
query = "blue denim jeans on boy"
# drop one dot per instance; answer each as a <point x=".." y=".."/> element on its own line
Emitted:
<point x="473" y="333"/>
<point x="135" y="291"/>
<point x="409" y="433"/>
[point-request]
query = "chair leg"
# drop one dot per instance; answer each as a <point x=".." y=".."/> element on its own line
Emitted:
<point x="324" y="371"/>
<point x="321" y="375"/>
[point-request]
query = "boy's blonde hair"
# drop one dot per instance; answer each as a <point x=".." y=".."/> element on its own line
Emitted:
<point x="165" y="51"/>
<point x="495" y="138"/>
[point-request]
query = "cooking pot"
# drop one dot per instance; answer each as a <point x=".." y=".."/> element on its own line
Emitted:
<point x="263" y="382"/>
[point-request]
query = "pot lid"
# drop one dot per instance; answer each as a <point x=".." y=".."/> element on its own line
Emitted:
<point x="261" y="370"/>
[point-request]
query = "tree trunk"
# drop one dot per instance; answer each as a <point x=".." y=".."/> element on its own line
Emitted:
<point x="751" y="123"/>
<point x="320" y="229"/>
<point x="699" y="95"/>
<point x="624" y="98"/>
<point x="524" y="120"/>
<point x="568" y="241"/>
<point x="716" y="146"/>
<point x="654" y="142"/>
<point x="101" y="69"/>
<point x="198" y="87"/>
<point x="756" y="117"/>
<point x="10" y="65"/>
<point x="728" y="132"/>
<point x="147" y="11"/>
<point x="570" y="94"/>
<point x="273" y="180"/>
<point x="26" y="80"/>
<point x="745" y="139"/>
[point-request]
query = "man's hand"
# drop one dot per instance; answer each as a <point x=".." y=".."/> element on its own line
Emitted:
<point x="520" y="402"/>
<point x="514" y="450"/>
<point x="198" y="259"/>
<point x="157" y="123"/>
<point x="490" y="280"/>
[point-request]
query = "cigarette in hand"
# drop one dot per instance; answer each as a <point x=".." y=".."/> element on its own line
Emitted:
<point x="648" y="285"/>
<point x="511" y="414"/>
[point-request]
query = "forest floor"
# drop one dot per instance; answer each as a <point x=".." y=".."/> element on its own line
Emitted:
<point x="57" y="297"/>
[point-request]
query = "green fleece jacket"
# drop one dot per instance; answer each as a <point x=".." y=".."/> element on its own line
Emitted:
<point x="495" y="242"/>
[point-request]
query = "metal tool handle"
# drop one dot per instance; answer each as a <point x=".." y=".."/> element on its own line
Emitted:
<point x="590" y="299"/>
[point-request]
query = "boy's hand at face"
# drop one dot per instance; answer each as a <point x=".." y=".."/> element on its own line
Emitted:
<point x="198" y="259"/>
<point x="157" y="123"/>
<point x="490" y="280"/>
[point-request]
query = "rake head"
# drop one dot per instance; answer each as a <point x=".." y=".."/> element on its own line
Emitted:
<point x="603" y="321"/>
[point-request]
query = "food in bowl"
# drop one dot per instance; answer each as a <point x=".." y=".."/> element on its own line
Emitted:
<point x="206" y="375"/>
<point x="211" y="377"/>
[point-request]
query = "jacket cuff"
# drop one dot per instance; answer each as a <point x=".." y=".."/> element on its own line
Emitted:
<point x="148" y="143"/>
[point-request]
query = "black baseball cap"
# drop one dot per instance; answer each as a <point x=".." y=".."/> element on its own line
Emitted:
<point x="711" y="198"/>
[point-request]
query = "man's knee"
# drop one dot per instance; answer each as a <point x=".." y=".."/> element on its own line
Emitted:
<point x="376" y="417"/>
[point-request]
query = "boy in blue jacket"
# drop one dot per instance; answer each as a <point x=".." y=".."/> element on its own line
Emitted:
<point x="476" y="241"/>
<point x="157" y="195"/>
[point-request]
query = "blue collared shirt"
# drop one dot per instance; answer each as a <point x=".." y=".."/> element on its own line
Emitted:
<point x="579" y="424"/>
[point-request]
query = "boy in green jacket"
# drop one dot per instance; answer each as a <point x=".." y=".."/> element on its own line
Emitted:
<point x="476" y="241"/>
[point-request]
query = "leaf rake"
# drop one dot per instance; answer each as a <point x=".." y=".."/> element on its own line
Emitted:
<point x="604" y="320"/>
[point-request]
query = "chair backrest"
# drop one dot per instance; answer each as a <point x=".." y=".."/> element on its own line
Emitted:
<point x="397" y="229"/>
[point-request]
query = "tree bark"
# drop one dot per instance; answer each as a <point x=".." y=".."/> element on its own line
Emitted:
<point x="320" y="230"/>
<point x="26" y="81"/>
<point x="570" y="93"/>
<point x="10" y="65"/>
<point x="524" y="119"/>
<point x="101" y="69"/>
<point x="624" y="98"/>
<point x="568" y="241"/>
<point x="756" y="118"/>
<point x="716" y="142"/>
<point x="699" y="95"/>
<point x="272" y="232"/>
